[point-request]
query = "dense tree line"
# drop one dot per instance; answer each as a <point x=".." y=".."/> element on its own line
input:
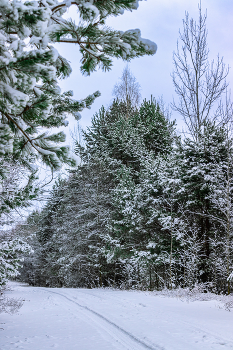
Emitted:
<point x="144" y="209"/>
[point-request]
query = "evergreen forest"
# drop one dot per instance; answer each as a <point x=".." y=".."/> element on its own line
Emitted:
<point x="144" y="209"/>
<point x="145" y="206"/>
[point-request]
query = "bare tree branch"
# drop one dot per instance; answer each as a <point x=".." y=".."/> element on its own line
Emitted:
<point x="198" y="83"/>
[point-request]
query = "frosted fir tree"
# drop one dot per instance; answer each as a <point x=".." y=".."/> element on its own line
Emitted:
<point x="142" y="139"/>
<point x="68" y="239"/>
<point x="206" y="195"/>
<point x="11" y="252"/>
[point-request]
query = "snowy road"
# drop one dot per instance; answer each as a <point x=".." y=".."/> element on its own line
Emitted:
<point x="102" y="319"/>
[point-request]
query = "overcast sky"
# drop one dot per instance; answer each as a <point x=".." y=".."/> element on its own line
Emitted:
<point x="160" y="22"/>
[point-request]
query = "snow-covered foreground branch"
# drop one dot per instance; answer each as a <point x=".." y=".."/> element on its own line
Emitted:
<point x="104" y="319"/>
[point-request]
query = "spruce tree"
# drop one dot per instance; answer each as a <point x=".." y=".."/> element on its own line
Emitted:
<point x="135" y="229"/>
<point x="204" y="175"/>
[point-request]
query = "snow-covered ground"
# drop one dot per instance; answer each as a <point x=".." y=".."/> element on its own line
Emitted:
<point x="104" y="319"/>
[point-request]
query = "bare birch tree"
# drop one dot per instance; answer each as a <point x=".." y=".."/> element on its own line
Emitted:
<point x="198" y="82"/>
<point x="128" y="89"/>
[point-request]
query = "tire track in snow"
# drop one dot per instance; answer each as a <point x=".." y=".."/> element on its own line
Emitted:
<point x="141" y="345"/>
<point x="107" y="297"/>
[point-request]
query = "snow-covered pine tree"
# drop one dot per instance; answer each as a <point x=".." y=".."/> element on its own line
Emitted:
<point x="204" y="179"/>
<point x="200" y="86"/>
<point x="221" y="200"/>
<point x="48" y="272"/>
<point x="30" y="272"/>
<point x="11" y="256"/>
<point x="135" y="229"/>
<point x="31" y="67"/>
<point x="90" y="194"/>
<point x="180" y="246"/>
<point x="69" y="237"/>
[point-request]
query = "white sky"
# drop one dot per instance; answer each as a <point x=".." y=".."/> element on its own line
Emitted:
<point x="160" y="22"/>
